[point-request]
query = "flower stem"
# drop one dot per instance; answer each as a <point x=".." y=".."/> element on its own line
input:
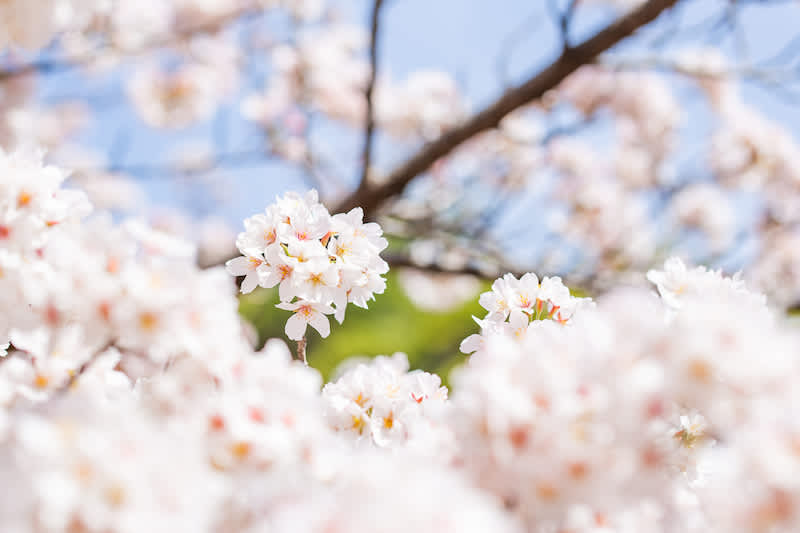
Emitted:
<point x="301" y="350"/>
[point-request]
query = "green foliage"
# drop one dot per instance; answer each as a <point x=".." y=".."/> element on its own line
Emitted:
<point x="391" y="324"/>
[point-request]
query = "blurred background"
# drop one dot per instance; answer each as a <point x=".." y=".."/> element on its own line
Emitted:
<point x="588" y="139"/>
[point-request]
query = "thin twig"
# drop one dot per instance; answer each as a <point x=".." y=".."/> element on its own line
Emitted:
<point x="526" y="28"/>
<point x="752" y="73"/>
<point x="563" y="20"/>
<point x="369" y="121"/>
<point x="301" y="350"/>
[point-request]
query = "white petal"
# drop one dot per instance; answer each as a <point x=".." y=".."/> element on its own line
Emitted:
<point x="288" y="306"/>
<point x="488" y="300"/>
<point x="320" y="323"/>
<point x="340" y="309"/>
<point x="249" y="283"/>
<point x="238" y="266"/>
<point x="356" y="212"/>
<point x="296" y="327"/>
<point x="471" y="344"/>
<point x="267" y="278"/>
<point x="286" y="291"/>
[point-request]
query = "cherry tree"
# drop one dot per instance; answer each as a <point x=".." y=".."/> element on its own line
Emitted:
<point x="133" y="397"/>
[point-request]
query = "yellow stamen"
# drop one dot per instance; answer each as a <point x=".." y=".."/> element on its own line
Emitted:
<point x="24" y="199"/>
<point x="240" y="449"/>
<point x="115" y="496"/>
<point x="148" y="321"/>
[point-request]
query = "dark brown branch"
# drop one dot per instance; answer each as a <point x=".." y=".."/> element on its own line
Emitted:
<point x="370" y="198"/>
<point x="301" y="350"/>
<point x="369" y="121"/>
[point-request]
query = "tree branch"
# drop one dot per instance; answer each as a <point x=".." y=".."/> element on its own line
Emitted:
<point x="563" y="19"/>
<point x="370" y="198"/>
<point x="369" y="124"/>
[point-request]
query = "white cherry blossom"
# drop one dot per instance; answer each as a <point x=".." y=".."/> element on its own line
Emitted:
<point x="319" y="262"/>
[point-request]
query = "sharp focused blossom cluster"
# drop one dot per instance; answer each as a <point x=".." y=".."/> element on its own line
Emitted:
<point x="319" y="262"/>
<point x="517" y="306"/>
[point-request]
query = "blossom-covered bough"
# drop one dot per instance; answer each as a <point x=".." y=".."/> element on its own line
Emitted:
<point x="131" y="398"/>
<point x="294" y="75"/>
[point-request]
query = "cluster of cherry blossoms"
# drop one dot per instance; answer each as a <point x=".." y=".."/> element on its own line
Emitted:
<point x="640" y="415"/>
<point x="517" y="306"/>
<point x="79" y="290"/>
<point x="126" y="361"/>
<point x="319" y="262"/>
<point x="635" y="411"/>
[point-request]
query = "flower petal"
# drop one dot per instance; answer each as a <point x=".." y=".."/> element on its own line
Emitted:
<point x="296" y="327"/>
<point x="320" y="323"/>
<point x="249" y="283"/>
<point x="238" y="266"/>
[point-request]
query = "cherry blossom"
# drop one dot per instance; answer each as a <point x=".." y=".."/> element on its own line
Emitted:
<point x="515" y="306"/>
<point x="319" y="262"/>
